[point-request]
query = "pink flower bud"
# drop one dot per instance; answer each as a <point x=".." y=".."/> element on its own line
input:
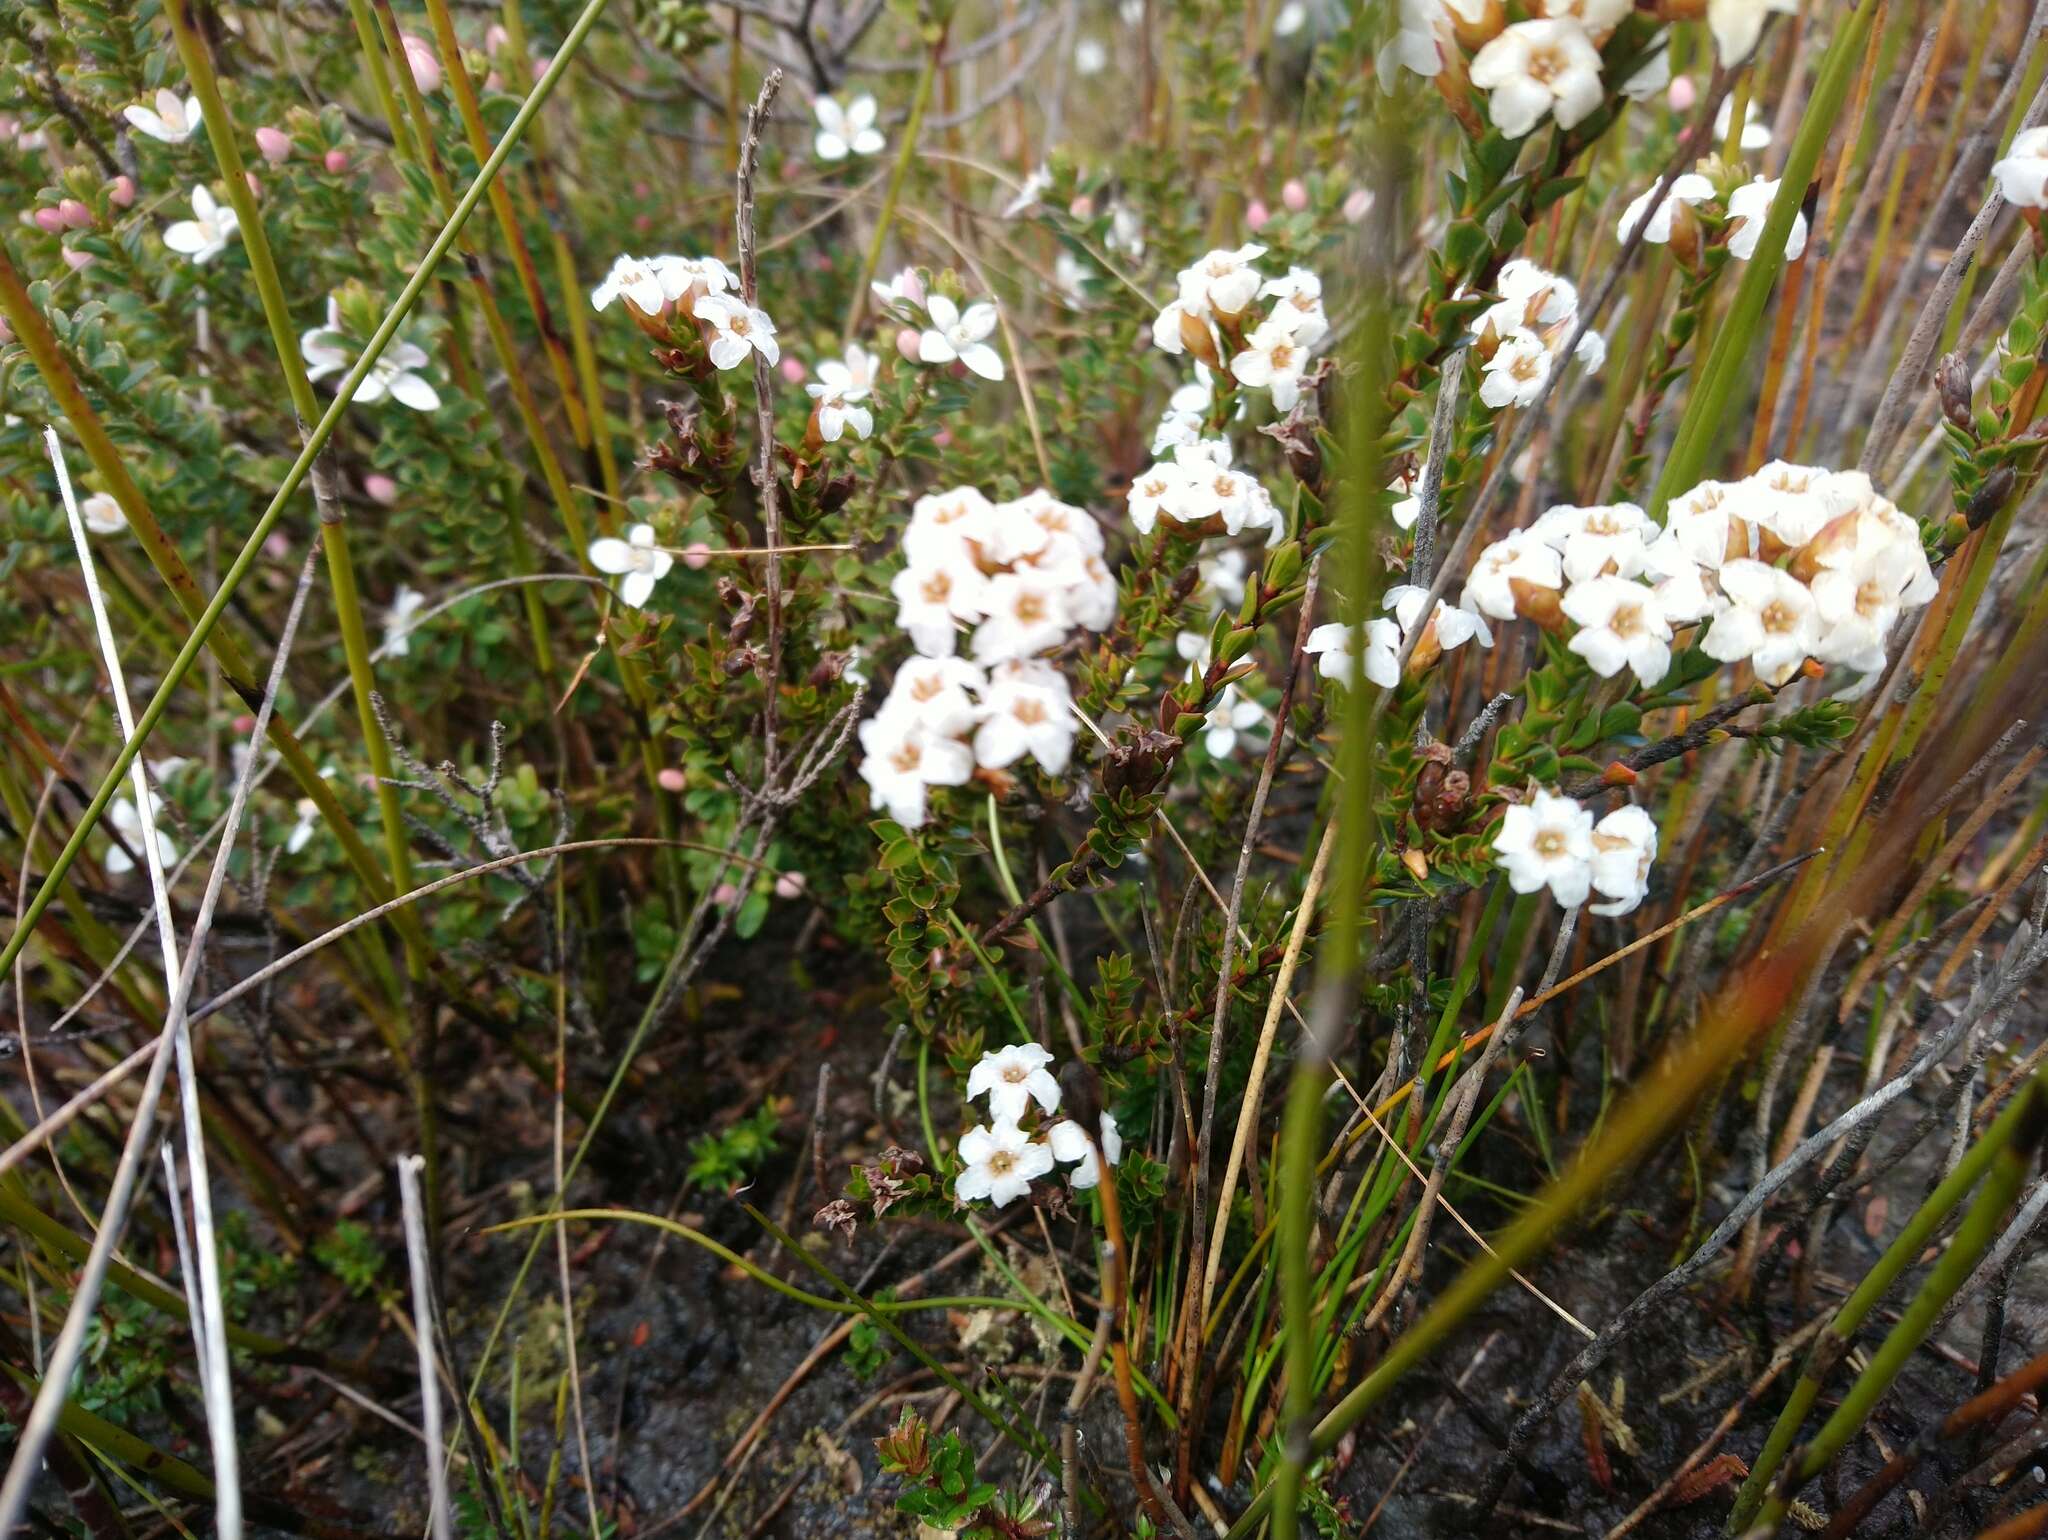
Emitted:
<point x="1295" y="194"/>
<point x="245" y="723"/>
<point x="494" y="81"/>
<point x="1358" y="204"/>
<point x="6" y="331"/>
<point x="1681" y="93"/>
<point x="696" y="556"/>
<point x="255" y="187"/>
<point x="278" y="546"/>
<point x="48" y="219"/>
<point x="793" y="369"/>
<point x="642" y="223"/>
<point x="495" y="37"/>
<point x="671" y="779"/>
<point x="426" y="69"/>
<point x="725" y="895"/>
<point x="1083" y="206"/>
<point x="75" y="214"/>
<point x="121" y="192"/>
<point x="275" y="144"/>
<point x="642" y="190"/>
<point x="77" y="261"/>
<point x="906" y="343"/>
<point x="943" y="439"/>
<point x="10" y="125"/>
<point x="381" y="488"/>
<point x="335" y="161"/>
<point x="789" y="885"/>
<point x="1256" y="214"/>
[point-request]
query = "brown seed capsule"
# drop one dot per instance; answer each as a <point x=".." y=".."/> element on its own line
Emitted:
<point x="1952" y="381"/>
<point x="1991" y="496"/>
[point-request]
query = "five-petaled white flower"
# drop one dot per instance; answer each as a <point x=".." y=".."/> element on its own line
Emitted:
<point x="737" y="329"/>
<point x="125" y="819"/>
<point x="1749" y="206"/>
<point x="102" y="515"/>
<point x="1522" y="566"/>
<point x="2022" y="176"/>
<point x="398" y="620"/>
<point x="1621" y="625"/>
<point x="171" y="122"/>
<point x="206" y="234"/>
<point x="1012" y="1078"/>
<point x="329" y="350"/>
<point x="1233" y="716"/>
<point x="1026" y="710"/>
<point x="960" y="334"/>
<point x="848" y="130"/>
<point x="634" y="279"/>
<point x="1001" y="1164"/>
<point x="1538" y="68"/>
<point x="1273" y="359"/>
<point x="1070" y="1143"/>
<point x="1770" y="620"/>
<point x="1330" y="645"/>
<point x="636" y="559"/>
<point x="1624" y="848"/>
<point x="901" y="757"/>
<point x="1517" y="372"/>
<point x="839" y="389"/>
<point x="1548" y="842"/>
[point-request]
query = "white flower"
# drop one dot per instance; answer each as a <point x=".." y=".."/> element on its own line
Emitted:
<point x="1523" y="558"/>
<point x="1548" y="842"/>
<point x="839" y="389"/>
<point x="1300" y="307"/>
<point x="943" y="524"/>
<point x="1071" y="277"/>
<point x="636" y="558"/>
<point x="102" y="515"/>
<point x="737" y="329"/>
<point x="1090" y="56"/>
<point x="1517" y="372"/>
<point x="1330" y="645"/>
<point x="1273" y="360"/>
<point x="1621" y="625"/>
<point x="901" y="293"/>
<point x="638" y="281"/>
<point x="206" y="234"/>
<point x="173" y="121"/>
<point x="1538" y="68"/>
<point x="1680" y="582"/>
<point x="1027" y="613"/>
<point x="1649" y="82"/>
<point x="901" y="756"/>
<point x="1027" y="711"/>
<point x="1070" y="1143"/>
<point x="1012" y="1078"/>
<point x="955" y="333"/>
<point x="1424" y="29"/>
<point x="124" y="817"/>
<point x="1604" y="537"/>
<point x="1029" y="191"/>
<point x="1598" y="17"/>
<point x="1770" y="620"/>
<point x="1287" y="21"/>
<point x="936" y="590"/>
<point x="328" y="350"/>
<point x="1531" y="297"/>
<point x="301" y="834"/>
<point x="1222" y="283"/>
<point x="1870" y="572"/>
<point x="1001" y="1164"/>
<point x="1737" y="24"/>
<point x="1223" y="575"/>
<point x="1748" y="207"/>
<point x="398" y="620"/>
<point x="1756" y="134"/>
<point x="1688" y="189"/>
<point x="1232" y="715"/>
<point x="2023" y="175"/>
<point x="694" y="277"/>
<point x="1624" y="848"/>
<point x="848" y="130"/>
<point x="1591" y="353"/>
<point x="937" y="693"/>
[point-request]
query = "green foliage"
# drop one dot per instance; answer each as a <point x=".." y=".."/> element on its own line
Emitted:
<point x="351" y="1253"/>
<point x="727" y="1158"/>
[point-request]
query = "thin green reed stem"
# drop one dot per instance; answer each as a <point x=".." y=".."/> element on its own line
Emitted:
<point x="1980" y="1227"/>
<point x="341" y="574"/>
<point x="906" y="152"/>
<point x="1708" y="408"/>
<point x="245" y="559"/>
<point x="380" y="79"/>
<point x="2020" y="1120"/>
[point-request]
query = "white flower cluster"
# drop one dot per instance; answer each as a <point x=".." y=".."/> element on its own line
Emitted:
<point x="1448" y="627"/>
<point x="1526" y="329"/>
<point x="944" y="332"/>
<point x="1216" y="306"/>
<point x="1001" y="1159"/>
<point x="1548" y="65"/>
<point x="700" y="288"/>
<point x="2022" y="176"/>
<point x="1748" y="207"/>
<point x="1196" y="490"/>
<point x="1551" y="841"/>
<point x="1024" y="574"/>
<point x="1790" y="563"/>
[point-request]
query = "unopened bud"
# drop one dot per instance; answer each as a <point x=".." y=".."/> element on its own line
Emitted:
<point x="1952" y="381"/>
<point x="1991" y="496"/>
<point x="1417" y="863"/>
<point x="1199" y="340"/>
<point x="1537" y="604"/>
